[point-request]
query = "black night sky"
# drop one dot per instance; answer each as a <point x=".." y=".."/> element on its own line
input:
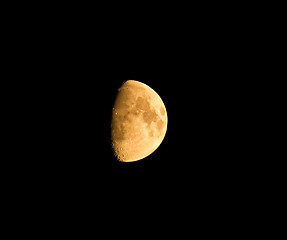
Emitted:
<point x="204" y="75"/>
<point x="203" y="63"/>
<point x="200" y="102"/>
<point x="206" y="89"/>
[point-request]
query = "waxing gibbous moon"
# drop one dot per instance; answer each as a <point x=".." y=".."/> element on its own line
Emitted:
<point x="139" y="121"/>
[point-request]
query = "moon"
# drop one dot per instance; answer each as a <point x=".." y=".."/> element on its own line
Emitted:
<point x="138" y="122"/>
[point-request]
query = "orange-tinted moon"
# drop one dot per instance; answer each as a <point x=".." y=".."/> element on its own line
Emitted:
<point x="139" y="121"/>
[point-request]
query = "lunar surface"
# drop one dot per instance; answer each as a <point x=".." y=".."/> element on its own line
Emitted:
<point x="139" y="121"/>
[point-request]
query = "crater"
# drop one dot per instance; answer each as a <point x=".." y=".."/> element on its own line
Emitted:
<point x="135" y="111"/>
<point x="124" y="99"/>
<point x="118" y="132"/>
<point x="151" y="133"/>
<point x="142" y="103"/>
<point x="162" y="111"/>
<point x="150" y="116"/>
<point x="159" y="125"/>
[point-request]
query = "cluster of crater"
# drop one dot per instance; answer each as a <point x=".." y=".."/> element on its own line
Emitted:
<point x="126" y="109"/>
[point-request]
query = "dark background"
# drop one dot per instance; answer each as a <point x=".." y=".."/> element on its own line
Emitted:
<point x="204" y="91"/>
<point x="204" y="62"/>
<point x="205" y="72"/>
<point x="203" y="108"/>
<point x="203" y="65"/>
